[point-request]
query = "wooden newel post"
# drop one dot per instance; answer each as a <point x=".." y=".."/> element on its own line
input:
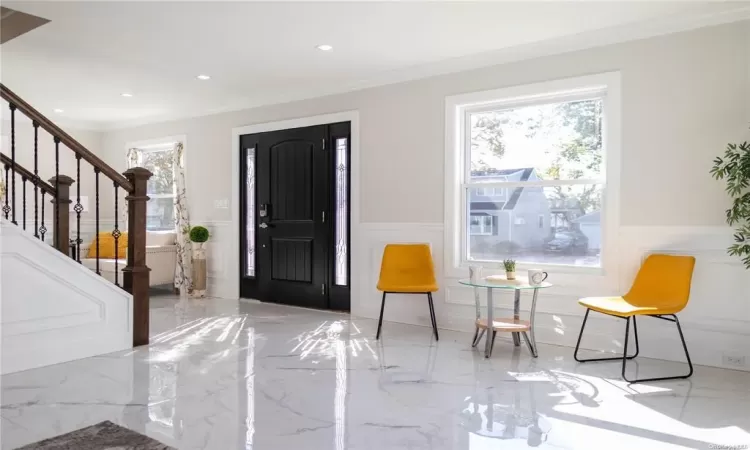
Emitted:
<point x="136" y="274"/>
<point x="61" y="211"/>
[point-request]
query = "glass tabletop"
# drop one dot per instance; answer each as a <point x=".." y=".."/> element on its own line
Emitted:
<point x="519" y="283"/>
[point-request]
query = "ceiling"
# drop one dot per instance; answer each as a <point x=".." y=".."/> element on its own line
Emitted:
<point x="262" y="53"/>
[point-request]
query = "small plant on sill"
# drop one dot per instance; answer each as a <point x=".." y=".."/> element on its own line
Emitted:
<point x="510" y="269"/>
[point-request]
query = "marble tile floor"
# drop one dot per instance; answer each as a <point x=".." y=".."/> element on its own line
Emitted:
<point x="227" y="375"/>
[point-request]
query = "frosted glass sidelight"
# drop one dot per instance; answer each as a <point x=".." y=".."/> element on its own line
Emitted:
<point x="342" y="207"/>
<point x="250" y="212"/>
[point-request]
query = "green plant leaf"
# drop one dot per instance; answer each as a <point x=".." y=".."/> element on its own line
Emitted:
<point x="734" y="169"/>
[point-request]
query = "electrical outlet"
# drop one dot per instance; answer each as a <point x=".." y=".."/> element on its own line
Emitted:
<point x="734" y="360"/>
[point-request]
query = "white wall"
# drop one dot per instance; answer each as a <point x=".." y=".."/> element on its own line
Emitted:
<point x="684" y="97"/>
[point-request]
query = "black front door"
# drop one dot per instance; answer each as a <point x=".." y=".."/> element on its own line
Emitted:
<point x="288" y="235"/>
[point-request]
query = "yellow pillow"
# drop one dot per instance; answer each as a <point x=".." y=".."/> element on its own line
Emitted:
<point x="107" y="246"/>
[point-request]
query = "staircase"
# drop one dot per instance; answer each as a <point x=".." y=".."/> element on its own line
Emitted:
<point x="53" y="308"/>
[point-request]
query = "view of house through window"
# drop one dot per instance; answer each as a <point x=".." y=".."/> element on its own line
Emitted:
<point x="161" y="190"/>
<point x="535" y="183"/>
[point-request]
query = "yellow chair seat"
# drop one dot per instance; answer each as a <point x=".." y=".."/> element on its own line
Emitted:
<point x="407" y="268"/>
<point x="415" y="288"/>
<point x="619" y="306"/>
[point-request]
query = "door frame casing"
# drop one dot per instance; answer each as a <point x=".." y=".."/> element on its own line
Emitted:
<point x="354" y="228"/>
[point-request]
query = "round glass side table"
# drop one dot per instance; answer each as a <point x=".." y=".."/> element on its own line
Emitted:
<point x="514" y="325"/>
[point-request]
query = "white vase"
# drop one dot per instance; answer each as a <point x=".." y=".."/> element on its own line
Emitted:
<point x="510" y="275"/>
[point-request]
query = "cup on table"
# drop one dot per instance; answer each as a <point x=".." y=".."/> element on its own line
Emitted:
<point x="475" y="273"/>
<point x="537" y="277"/>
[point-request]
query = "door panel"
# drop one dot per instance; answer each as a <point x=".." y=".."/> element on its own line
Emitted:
<point x="291" y="175"/>
<point x="291" y="259"/>
<point x="292" y="240"/>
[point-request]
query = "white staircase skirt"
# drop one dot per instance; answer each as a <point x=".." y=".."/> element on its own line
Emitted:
<point x="52" y="308"/>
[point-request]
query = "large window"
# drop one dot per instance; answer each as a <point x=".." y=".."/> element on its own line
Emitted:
<point x="537" y="161"/>
<point x="161" y="188"/>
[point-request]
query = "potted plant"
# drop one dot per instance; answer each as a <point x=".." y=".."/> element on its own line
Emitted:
<point x="735" y="169"/>
<point x="510" y="269"/>
<point x="198" y="236"/>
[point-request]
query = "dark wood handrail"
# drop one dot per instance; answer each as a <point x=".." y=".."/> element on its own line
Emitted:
<point x="28" y="174"/>
<point x="64" y="137"/>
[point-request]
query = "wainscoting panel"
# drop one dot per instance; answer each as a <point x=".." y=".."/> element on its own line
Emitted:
<point x="716" y="321"/>
<point x="53" y="309"/>
<point x="219" y="252"/>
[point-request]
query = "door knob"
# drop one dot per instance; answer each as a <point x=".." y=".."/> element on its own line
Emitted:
<point x="263" y="225"/>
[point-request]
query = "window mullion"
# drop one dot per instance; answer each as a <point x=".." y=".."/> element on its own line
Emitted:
<point x="537" y="183"/>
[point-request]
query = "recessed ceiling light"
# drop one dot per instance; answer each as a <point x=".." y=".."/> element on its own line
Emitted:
<point x="203" y="77"/>
<point x="325" y="47"/>
<point x="58" y="110"/>
<point x="125" y="94"/>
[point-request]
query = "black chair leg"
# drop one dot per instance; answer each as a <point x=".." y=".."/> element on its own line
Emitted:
<point x="380" y="321"/>
<point x="616" y="358"/>
<point x="635" y="332"/>
<point x="432" y="316"/>
<point x="624" y="358"/>
<point x="684" y="346"/>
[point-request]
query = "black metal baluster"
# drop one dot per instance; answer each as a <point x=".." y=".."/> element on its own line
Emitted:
<point x="23" y="200"/>
<point x="116" y="234"/>
<point x="13" y="161"/>
<point x="57" y="191"/>
<point x="36" y="179"/>
<point x="42" y="228"/>
<point x="6" y="207"/>
<point x="96" y="181"/>
<point x="78" y="208"/>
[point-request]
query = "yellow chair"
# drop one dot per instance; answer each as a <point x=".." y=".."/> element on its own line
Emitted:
<point x="661" y="288"/>
<point x="407" y="269"/>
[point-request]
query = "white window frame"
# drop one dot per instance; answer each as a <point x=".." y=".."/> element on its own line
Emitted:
<point x="457" y="163"/>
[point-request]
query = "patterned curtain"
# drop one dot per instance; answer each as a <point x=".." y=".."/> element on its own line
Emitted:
<point x="183" y="271"/>
<point x="2" y="185"/>
<point x="134" y="157"/>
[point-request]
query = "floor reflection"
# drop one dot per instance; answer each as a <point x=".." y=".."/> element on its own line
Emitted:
<point x="487" y="416"/>
<point x="250" y="389"/>
<point x="224" y="376"/>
